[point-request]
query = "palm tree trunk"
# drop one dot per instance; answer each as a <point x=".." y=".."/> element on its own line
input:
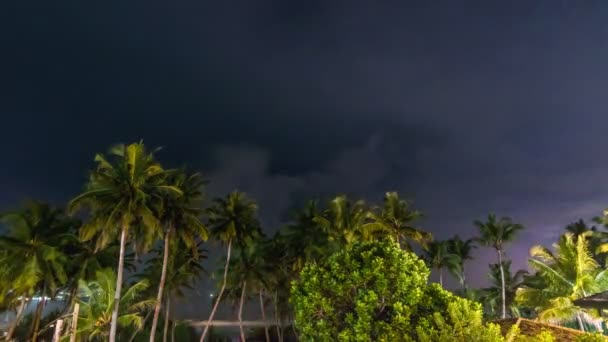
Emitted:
<point x="241" y="311"/>
<point x="167" y="311"/>
<point x="58" y="328"/>
<point x="219" y="296"/>
<point x="276" y="316"/>
<point x="172" y="331"/>
<point x="464" y="279"/>
<point x="121" y="266"/>
<point x="36" y="322"/>
<point x="74" y="326"/>
<point x="502" y="284"/>
<point x="18" y="317"/>
<point x="264" y="316"/>
<point x="38" y="315"/>
<point x="161" y="286"/>
<point x="441" y="277"/>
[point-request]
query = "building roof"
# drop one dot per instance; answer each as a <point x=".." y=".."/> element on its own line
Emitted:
<point x="529" y="327"/>
<point x="597" y="301"/>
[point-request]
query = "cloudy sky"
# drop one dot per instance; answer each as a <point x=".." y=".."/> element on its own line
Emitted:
<point x="465" y="107"/>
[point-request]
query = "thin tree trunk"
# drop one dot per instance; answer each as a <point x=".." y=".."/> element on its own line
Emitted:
<point x="219" y="296"/>
<point x="167" y="312"/>
<point x="276" y="316"/>
<point x="241" y="311"/>
<point x="441" y="277"/>
<point x="172" y="331"/>
<point x="18" y="317"/>
<point x="121" y="265"/>
<point x="161" y="285"/>
<point x="58" y="328"/>
<point x="464" y="280"/>
<point x="264" y="316"/>
<point x="38" y="315"/>
<point x="75" y="322"/>
<point x="502" y="283"/>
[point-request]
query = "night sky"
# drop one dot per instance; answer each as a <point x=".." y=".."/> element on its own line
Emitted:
<point x="464" y="107"/>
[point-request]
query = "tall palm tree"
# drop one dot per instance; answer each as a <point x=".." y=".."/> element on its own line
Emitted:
<point x="232" y="218"/>
<point x="119" y="196"/>
<point x="463" y="249"/>
<point x="491" y="296"/>
<point x="496" y="233"/>
<point x="96" y="299"/>
<point x="35" y="257"/>
<point x="181" y="216"/>
<point x="438" y="257"/>
<point x="396" y="217"/>
<point x="567" y="274"/>
<point x="345" y="221"/>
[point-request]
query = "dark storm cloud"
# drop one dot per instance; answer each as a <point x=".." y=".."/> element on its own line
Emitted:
<point x="466" y="108"/>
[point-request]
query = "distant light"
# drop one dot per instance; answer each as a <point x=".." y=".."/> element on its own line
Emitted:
<point x="211" y="295"/>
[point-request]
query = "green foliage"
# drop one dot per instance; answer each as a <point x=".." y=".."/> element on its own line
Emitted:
<point x="376" y="291"/>
<point x="119" y="195"/>
<point x="491" y="296"/>
<point x="589" y="337"/>
<point x="96" y="300"/>
<point x="562" y="276"/>
<point x="438" y="256"/>
<point x="396" y="218"/>
<point x="234" y="218"/>
<point x="463" y="323"/>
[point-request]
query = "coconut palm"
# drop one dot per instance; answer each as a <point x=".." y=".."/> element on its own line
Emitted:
<point x="96" y="299"/>
<point x="119" y="196"/>
<point x="496" y="233"/>
<point x="246" y="278"/>
<point x="35" y="258"/>
<point x="438" y="257"/>
<point x="344" y="221"/>
<point x="491" y="296"/>
<point x="231" y="219"/>
<point x="568" y="273"/>
<point x="396" y="217"/>
<point x="181" y="217"/>
<point x="303" y="240"/>
<point x="463" y="250"/>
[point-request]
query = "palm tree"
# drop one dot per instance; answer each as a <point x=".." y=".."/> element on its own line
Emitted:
<point x="96" y="299"/>
<point x="567" y="274"/>
<point x="496" y="233"/>
<point x="248" y="270"/>
<point x="119" y="196"/>
<point x="344" y="221"/>
<point x="438" y="257"/>
<point x="396" y="217"/>
<point x="181" y="215"/>
<point x="183" y="269"/>
<point x="492" y="296"/>
<point x="579" y="228"/>
<point x="35" y="257"/>
<point x="303" y="240"/>
<point x="462" y="249"/>
<point x="231" y="219"/>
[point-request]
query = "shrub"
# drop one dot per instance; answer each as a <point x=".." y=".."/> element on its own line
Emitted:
<point x="376" y="291"/>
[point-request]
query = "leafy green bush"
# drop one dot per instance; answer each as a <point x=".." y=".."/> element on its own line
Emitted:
<point x="376" y="291"/>
<point x="591" y="337"/>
